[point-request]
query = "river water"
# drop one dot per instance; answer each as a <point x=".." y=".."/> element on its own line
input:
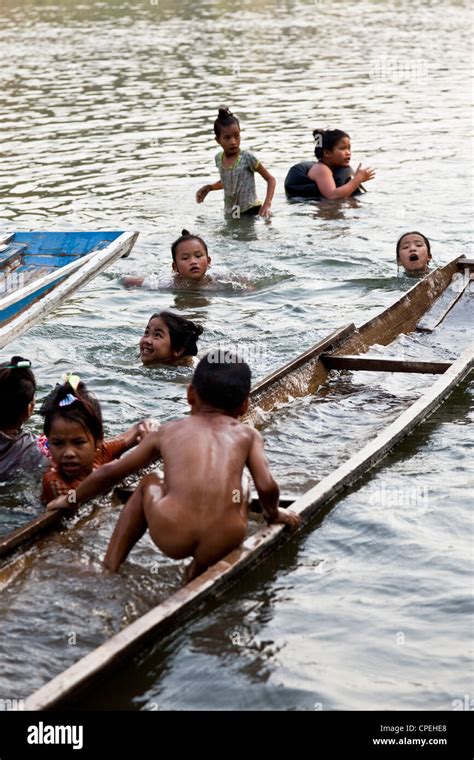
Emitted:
<point x="107" y="111"/>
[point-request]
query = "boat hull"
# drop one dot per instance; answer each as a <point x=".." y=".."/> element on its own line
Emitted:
<point x="66" y="261"/>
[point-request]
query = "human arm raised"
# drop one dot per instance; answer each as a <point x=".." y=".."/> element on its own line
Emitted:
<point x="322" y="175"/>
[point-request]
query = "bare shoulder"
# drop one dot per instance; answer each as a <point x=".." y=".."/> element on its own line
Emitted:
<point x="172" y="426"/>
<point x="250" y="434"/>
<point x="319" y="170"/>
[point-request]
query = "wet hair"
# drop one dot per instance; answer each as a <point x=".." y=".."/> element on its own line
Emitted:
<point x="185" y="235"/>
<point x="184" y="334"/>
<point x="225" y="118"/>
<point x="327" y="139"/>
<point x="425" y="240"/>
<point x="222" y="379"/>
<point x="17" y="391"/>
<point x="75" y="405"/>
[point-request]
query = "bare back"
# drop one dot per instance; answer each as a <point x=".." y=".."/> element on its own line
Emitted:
<point x="204" y="456"/>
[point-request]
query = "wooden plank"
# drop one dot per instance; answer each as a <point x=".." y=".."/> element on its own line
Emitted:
<point x="403" y="315"/>
<point x="300" y="377"/>
<point x="82" y="674"/>
<point x="27" y="532"/>
<point x="306" y="373"/>
<point x="434" y="316"/>
<point x="378" y="364"/>
<point x="4" y="239"/>
<point x="465" y="263"/>
<point x="51" y="300"/>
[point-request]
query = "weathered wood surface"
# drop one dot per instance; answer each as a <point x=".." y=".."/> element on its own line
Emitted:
<point x="379" y="364"/>
<point x="77" y="678"/>
<point x="444" y="304"/>
<point x="81" y="274"/>
<point x="403" y="315"/>
<point x="306" y="373"/>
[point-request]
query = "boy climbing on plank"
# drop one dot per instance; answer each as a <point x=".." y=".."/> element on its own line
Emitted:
<point x="199" y="508"/>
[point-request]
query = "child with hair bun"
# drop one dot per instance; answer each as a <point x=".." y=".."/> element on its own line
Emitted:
<point x="331" y="175"/>
<point x="191" y="262"/>
<point x="19" y="449"/>
<point x="74" y="428"/>
<point x="237" y="172"/>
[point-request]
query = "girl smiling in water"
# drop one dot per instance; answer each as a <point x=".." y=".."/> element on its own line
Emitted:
<point x="169" y="339"/>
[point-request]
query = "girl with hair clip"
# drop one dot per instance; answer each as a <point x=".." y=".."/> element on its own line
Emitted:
<point x="237" y="172"/>
<point x="169" y="339"/>
<point x="19" y="449"/>
<point x="331" y="176"/>
<point x="74" y="428"/>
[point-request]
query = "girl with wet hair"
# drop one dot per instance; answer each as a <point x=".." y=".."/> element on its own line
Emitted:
<point x="331" y="176"/>
<point x="414" y="252"/>
<point x="19" y="450"/>
<point x="191" y="261"/>
<point x="169" y="339"/>
<point x="237" y="172"/>
<point x="74" y="428"/>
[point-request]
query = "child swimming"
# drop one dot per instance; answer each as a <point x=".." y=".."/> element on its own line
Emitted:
<point x="331" y="176"/>
<point x="199" y="509"/>
<point x="237" y="172"/>
<point x="414" y="252"/>
<point x="191" y="268"/>
<point x="73" y="426"/>
<point x="191" y="262"/>
<point x="169" y="339"/>
<point x="19" y="449"/>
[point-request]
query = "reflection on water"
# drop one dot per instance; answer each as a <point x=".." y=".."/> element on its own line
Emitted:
<point x="109" y="124"/>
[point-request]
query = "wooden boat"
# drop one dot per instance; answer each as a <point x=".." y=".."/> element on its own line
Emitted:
<point x="423" y="307"/>
<point x="38" y="270"/>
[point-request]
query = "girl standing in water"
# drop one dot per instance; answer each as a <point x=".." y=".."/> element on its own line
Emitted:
<point x="237" y="172"/>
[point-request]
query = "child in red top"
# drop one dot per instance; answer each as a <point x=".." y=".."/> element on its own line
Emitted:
<point x="73" y="426"/>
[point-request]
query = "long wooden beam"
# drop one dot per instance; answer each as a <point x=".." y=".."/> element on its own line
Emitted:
<point x="378" y="364"/>
<point x="77" y="678"/>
